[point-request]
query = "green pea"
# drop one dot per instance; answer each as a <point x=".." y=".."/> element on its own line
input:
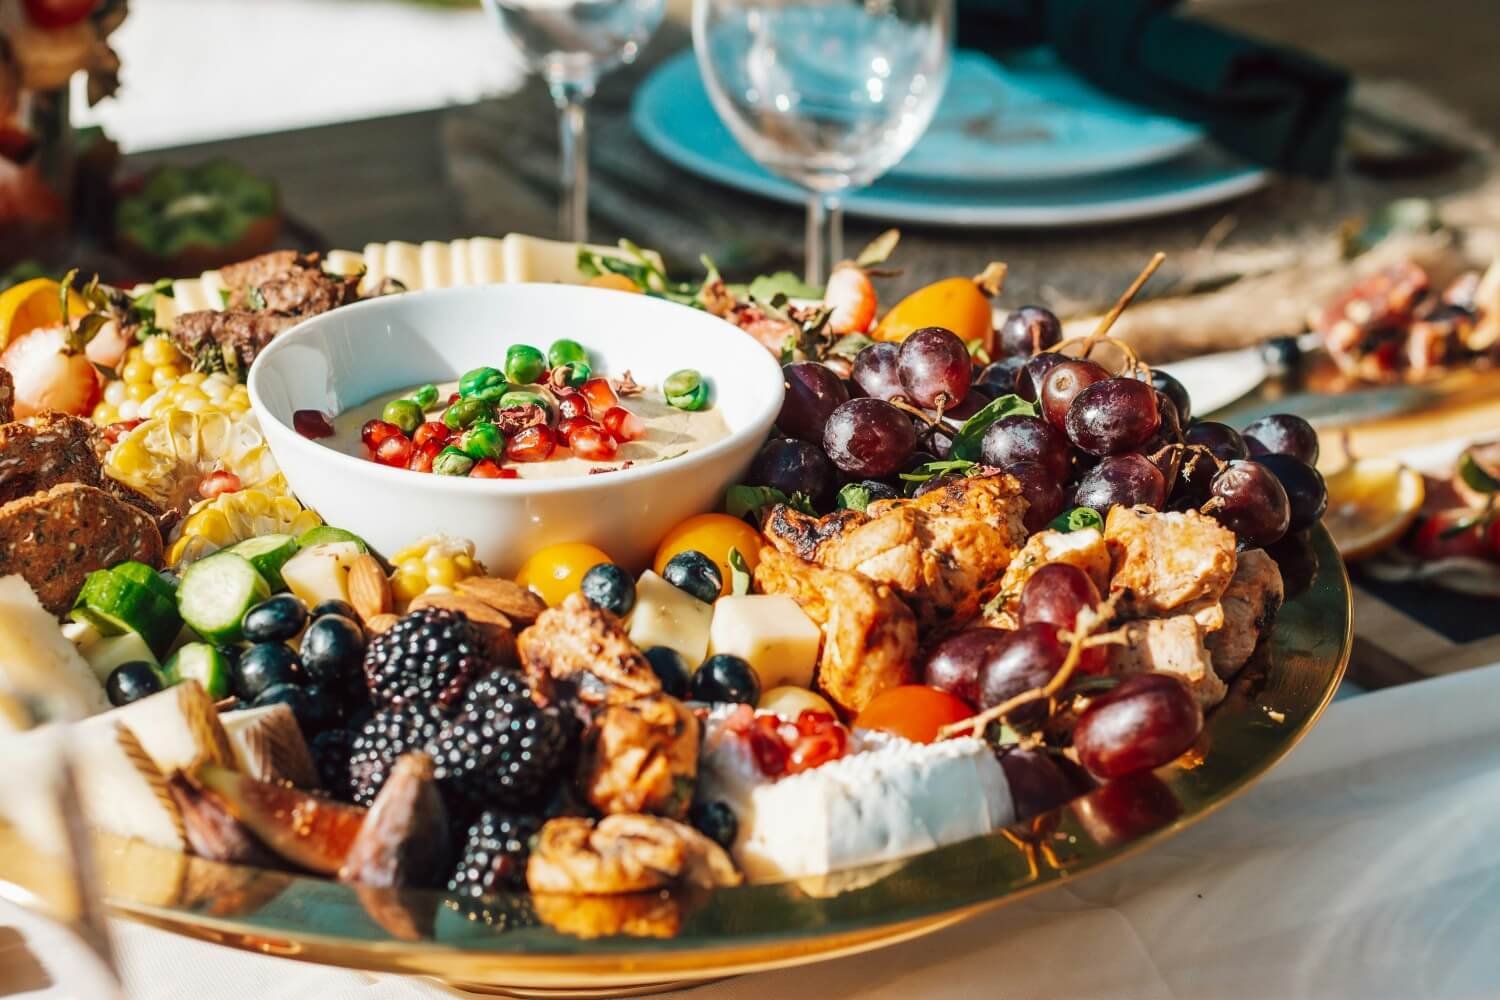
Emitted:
<point x="578" y="372"/>
<point x="425" y="397"/>
<point x="520" y="397"/>
<point x="566" y="352"/>
<point x="464" y="412"/>
<point x="404" y="413"/>
<point x="482" y="383"/>
<point x="686" y="390"/>
<point x="524" y="364"/>
<point x="452" y="462"/>
<point x="483" y="440"/>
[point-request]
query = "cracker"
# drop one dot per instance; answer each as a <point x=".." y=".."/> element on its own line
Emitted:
<point x="55" y="448"/>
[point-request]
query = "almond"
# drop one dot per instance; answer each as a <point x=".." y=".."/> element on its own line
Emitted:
<point x="508" y="597"/>
<point x="369" y="590"/>
<point x="377" y="624"/>
<point x="494" y="624"/>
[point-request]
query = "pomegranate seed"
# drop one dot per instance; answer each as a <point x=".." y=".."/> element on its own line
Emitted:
<point x="394" y="451"/>
<point x="623" y="425"/>
<point x="573" y="404"/>
<point x="593" y="443"/>
<point x="739" y="719"/>
<point x="567" y="425"/>
<point x="814" y="751"/>
<point x="217" y="483"/>
<point x="454" y="397"/>
<point x="422" y="456"/>
<point x="374" y="432"/>
<point x="810" y="722"/>
<point x="600" y="394"/>
<point x="769" y="752"/>
<point x="531" y="444"/>
<point x="115" y="431"/>
<point x="312" y="424"/>
<point x="486" y="468"/>
<point x="433" y="430"/>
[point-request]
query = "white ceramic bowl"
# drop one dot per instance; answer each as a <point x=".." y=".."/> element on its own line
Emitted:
<point x="343" y="358"/>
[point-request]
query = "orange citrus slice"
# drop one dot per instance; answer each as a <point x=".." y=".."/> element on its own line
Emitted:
<point x="34" y="304"/>
<point x="1371" y="503"/>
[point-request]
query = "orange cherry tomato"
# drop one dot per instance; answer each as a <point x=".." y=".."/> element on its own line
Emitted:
<point x="913" y="711"/>
<point x="557" y="571"/>
<point x="713" y="535"/>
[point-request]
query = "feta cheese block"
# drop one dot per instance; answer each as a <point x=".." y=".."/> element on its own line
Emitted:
<point x="667" y="616"/>
<point x="771" y="633"/>
<point x="887" y="799"/>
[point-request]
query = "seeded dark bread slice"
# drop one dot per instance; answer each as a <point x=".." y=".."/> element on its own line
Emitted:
<point x="7" y="397"/>
<point x="55" y="448"/>
<point x="57" y="538"/>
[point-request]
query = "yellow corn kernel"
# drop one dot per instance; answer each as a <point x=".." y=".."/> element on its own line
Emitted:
<point x="406" y="586"/>
<point x="165" y="376"/>
<point x="216" y="391"/>
<point x="192" y="378"/>
<point x="193" y="405"/>
<point x="184" y="393"/>
<point x="137" y="372"/>
<point x="139" y="391"/>
<point x="412" y="567"/>
<point x="442" y="573"/>
<point x="136" y="353"/>
<point x="129" y="409"/>
<point x="160" y="351"/>
<point x="104" y="415"/>
<point x="114" y="393"/>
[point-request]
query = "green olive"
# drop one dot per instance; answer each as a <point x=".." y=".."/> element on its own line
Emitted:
<point x="686" y="390"/>
<point x="464" y="412"/>
<point x="524" y="364"/>
<point x="452" y="462"/>
<point x="578" y="372"/>
<point x="404" y="413"/>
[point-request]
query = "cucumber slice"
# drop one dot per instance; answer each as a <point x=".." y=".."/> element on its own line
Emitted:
<point x="113" y="605"/>
<point x="215" y="594"/>
<point x="328" y="533"/>
<point x="147" y="577"/>
<point x="268" y="554"/>
<point x="198" y="661"/>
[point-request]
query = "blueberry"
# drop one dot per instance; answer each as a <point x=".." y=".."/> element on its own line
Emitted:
<point x="132" y="681"/>
<point x="726" y="677"/>
<point x="695" y="573"/>
<point x="717" y="822"/>
<point x="275" y="620"/>
<point x="262" y="667"/>
<point x="292" y="697"/>
<point x="609" y="587"/>
<point x="671" y="669"/>
<point x="334" y="608"/>
<point x="325" y="710"/>
<point x="332" y="649"/>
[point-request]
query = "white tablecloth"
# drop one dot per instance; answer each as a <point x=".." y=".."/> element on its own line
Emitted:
<point x="1364" y="867"/>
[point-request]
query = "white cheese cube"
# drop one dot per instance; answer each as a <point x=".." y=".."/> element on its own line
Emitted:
<point x="111" y="651"/>
<point x="321" y="572"/>
<point x="771" y="633"/>
<point x="667" y="616"/>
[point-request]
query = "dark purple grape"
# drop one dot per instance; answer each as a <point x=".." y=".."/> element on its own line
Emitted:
<point x="1113" y="415"/>
<point x="1164" y="449"/>
<point x="793" y="466"/>
<point x="876" y="371"/>
<point x="934" y="366"/>
<point x="1026" y="331"/>
<point x="1283" y="434"/>
<point x="813" y="391"/>
<point x="1028" y="658"/>
<point x="1029" y="378"/>
<point x="1297" y="560"/>
<point x="1039" y="781"/>
<point x="999" y="378"/>
<point x="1175" y="391"/>
<point x="1019" y="438"/>
<point x="1126" y="809"/>
<point x="1306" y="493"/>
<point x="937" y="440"/>
<point x="1142" y="723"/>
<point x="1195" y="474"/>
<point x="1062" y="384"/>
<point x="1044" y="493"/>
<point x="1223" y="441"/>
<point x="869" y="437"/>
<point x="972" y="403"/>
<point x="1121" y="481"/>
<point x="1248" y="499"/>
<point x="1055" y="594"/>
<point x="954" y="664"/>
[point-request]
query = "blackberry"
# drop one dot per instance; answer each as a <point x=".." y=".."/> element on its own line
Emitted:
<point x="505" y="752"/>
<point x="331" y="750"/>
<point x="492" y="688"/>
<point x="494" y="855"/>
<point x="429" y="656"/>
<point x="389" y="733"/>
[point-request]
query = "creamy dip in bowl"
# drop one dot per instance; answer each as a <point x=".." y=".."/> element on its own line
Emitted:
<point x="366" y="354"/>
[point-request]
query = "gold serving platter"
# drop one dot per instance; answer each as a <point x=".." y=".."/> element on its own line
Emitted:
<point x="539" y="945"/>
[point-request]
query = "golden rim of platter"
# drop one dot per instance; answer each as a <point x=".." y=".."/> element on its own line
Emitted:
<point x="602" y="946"/>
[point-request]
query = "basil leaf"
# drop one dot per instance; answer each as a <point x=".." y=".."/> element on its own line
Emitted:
<point x="931" y="470"/>
<point x="853" y="496"/>
<point x="849" y="345"/>
<point x="768" y="286"/>
<point x="1077" y="519"/>
<point x="739" y="573"/>
<point x="966" y="441"/>
<point x="743" y="501"/>
<point x="1474" y="475"/>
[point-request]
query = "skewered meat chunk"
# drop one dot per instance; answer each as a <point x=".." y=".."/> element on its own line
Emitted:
<point x="1171" y="646"/>
<point x="581" y="650"/>
<point x="807" y="537"/>
<point x="642" y="756"/>
<point x="1165" y="563"/>
<point x="1250" y="604"/>
<point x="869" y="634"/>
<point x="625" y="853"/>
<point x="1354" y="324"/>
<point x="1084" y="548"/>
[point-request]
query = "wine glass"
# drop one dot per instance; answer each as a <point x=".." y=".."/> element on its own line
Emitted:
<point x="572" y="43"/>
<point x="829" y="94"/>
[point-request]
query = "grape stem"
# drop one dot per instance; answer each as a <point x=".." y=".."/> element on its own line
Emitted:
<point x="1089" y="619"/>
<point x="900" y="403"/>
<point x="1124" y="300"/>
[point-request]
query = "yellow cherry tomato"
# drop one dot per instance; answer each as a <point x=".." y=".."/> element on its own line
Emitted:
<point x="557" y="571"/>
<point x="914" y="711"/>
<point x="713" y="535"/>
<point x="618" y="282"/>
<point x="955" y="303"/>
<point x="790" y="701"/>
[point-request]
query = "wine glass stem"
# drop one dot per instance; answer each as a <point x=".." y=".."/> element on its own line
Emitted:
<point x="573" y="161"/>
<point x="825" y="237"/>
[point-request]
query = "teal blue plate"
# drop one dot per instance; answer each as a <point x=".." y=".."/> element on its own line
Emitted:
<point x="674" y="117"/>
